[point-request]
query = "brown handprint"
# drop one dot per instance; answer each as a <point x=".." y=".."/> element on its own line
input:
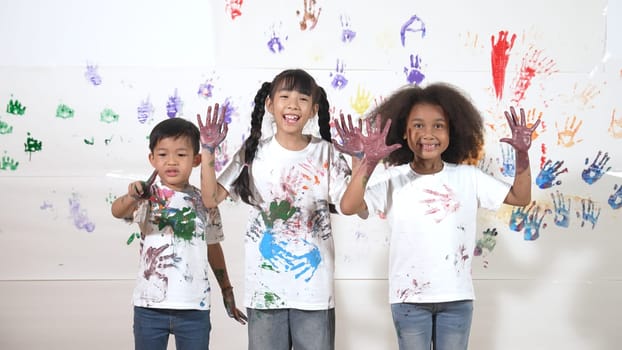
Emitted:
<point x="309" y="17"/>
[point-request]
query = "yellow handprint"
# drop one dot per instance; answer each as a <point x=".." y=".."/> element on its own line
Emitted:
<point x="361" y="101"/>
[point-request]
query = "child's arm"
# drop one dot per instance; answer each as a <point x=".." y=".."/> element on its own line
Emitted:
<point x="366" y="152"/>
<point x="216" y="260"/>
<point x="123" y="207"/>
<point x="213" y="132"/>
<point x="520" y="192"/>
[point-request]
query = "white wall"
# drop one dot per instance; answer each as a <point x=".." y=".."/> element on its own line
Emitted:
<point x="66" y="270"/>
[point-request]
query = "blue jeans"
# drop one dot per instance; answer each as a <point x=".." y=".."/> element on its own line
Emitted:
<point x="445" y="326"/>
<point x="153" y="326"/>
<point x="280" y="329"/>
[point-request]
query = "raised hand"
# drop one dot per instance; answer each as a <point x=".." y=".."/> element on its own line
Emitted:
<point x="214" y="131"/>
<point x="521" y="133"/>
<point x="371" y="148"/>
<point x="351" y="137"/>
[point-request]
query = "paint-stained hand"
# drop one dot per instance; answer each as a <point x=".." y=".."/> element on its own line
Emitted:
<point x="521" y="133"/>
<point x="214" y="131"/>
<point x="371" y="148"/>
<point x="229" y="301"/>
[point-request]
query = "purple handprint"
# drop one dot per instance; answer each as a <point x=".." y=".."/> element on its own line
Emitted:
<point x="347" y="34"/>
<point x="275" y="45"/>
<point x="173" y="105"/>
<point x="92" y="75"/>
<point x="547" y="176"/>
<point x="589" y="212"/>
<point x="339" y="80"/>
<point x="562" y="211"/>
<point x="595" y="171"/>
<point x="615" y="200"/>
<point x="413" y="24"/>
<point x="414" y="74"/>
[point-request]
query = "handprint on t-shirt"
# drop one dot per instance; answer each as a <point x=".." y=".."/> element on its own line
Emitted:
<point x="595" y="170"/>
<point x="153" y="275"/>
<point x="441" y="204"/>
<point x="279" y="253"/>
<point x="562" y="211"/>
<point x="589" y="212"/>
<point x="548" y="174"/>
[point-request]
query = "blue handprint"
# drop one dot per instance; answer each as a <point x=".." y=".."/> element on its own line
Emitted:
<point x="562" y="212"/>
<point x="339" y="80"/>
<point x="413" y="24"/>
<point x="595" y="171"/>
<point x="533" y="224"/>
<point x="517" y="219"/>
<point x="615" y="200"/>
<point x="547" y="176"/>
<point x="589" y="212"/>
<point x="414" y="74"/>
<point x="508" y="161"/>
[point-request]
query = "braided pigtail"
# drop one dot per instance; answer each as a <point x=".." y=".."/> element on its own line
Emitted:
<point x="323" y="115"/>
<point x="241" y="185"/>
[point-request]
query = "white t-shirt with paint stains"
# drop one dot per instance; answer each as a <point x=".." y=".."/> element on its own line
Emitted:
<point x="289" y="243"/>
<point x="433" y="228"/>
<point x="175" y="231"/>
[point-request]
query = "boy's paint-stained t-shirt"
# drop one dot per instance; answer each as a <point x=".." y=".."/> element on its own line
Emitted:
<point x="175" y="231"/>
<point x="289" y="243"/>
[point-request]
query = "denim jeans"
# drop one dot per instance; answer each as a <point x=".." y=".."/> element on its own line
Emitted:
<point x="280" y="329"/>
<point x="153" y="326"/>
<point x="438" y="326"/>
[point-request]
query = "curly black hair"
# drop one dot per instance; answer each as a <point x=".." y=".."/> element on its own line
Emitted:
<point x="466" y="125"/>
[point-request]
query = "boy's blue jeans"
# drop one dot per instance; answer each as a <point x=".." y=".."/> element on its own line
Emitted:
<point x="445" y="326"/>
<point x="153" y="326"/>
<point x="280" y="329"/>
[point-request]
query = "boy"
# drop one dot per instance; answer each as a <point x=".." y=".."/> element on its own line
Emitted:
<point x="179" y="237"/>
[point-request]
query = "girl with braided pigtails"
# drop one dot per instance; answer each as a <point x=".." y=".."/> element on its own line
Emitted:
<point x="291" y="182"/>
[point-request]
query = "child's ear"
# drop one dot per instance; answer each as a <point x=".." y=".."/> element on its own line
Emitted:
<point x="316" y="108"/>
<point x="196" y="161"/>
<point x="152" y="159"/>
<point x="269" y="105"/>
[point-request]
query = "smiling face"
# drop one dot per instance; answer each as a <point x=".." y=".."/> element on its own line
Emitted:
<point x="174" y="158"/>
<point x="291" y="110"/>
<point x="427" y="134"/>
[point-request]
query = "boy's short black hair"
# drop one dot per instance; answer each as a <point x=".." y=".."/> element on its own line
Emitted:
<point x="175" y="127"/>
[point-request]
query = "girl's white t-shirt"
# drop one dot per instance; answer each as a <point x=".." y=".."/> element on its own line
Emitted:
<point x="289" y="249"/>
<point x="433" y="228"/>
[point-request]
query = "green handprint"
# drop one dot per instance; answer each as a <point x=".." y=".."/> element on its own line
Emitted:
<point x="278" y="210"/>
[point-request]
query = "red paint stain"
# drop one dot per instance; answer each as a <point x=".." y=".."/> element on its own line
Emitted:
<point x="499" y="57"/>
